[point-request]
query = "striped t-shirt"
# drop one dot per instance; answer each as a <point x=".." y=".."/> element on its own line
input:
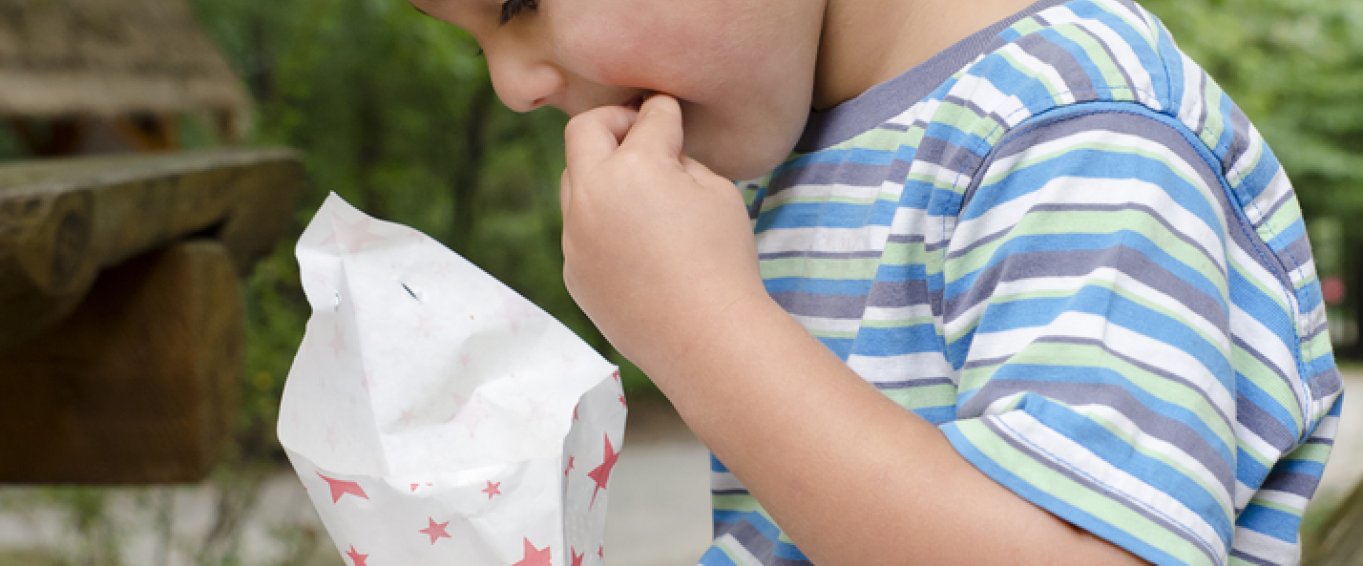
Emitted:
<point x="1060" y="242"/>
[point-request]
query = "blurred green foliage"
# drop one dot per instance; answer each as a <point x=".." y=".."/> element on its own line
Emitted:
<point x="394" y="111"/>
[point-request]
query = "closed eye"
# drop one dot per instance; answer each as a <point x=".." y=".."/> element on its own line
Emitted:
<point x="511" y="8"/>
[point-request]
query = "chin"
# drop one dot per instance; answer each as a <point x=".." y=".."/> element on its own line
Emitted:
<point x="745" y="161"/>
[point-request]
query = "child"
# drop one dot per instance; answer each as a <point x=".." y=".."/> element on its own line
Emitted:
<point x="1025" y="285"/>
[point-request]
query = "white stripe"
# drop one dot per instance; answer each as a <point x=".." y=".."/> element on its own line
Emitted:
<point x="1265" y="547"/>
<point x="889" y="369"/>
<point x="1193" y="103"/>
<point x="989" y="98"/>
<point x="1163" y="450"/>
<point x="823" y="239"/>
<point x="736" y="551"/>
<point x="1283" y="499"/>
<point x="994" y="345"/>
<point x="724" y="481"/>
<point x="1026" y="430"/>
<point x="1124" y="56"/>
<point x="1046" y="73"/>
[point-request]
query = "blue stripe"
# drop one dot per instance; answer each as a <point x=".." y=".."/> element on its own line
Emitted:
<point x="1224" y="107"/>
<point x="1248" y="298"/>
<point x="1115" y="450"/>
<point x="936" y="415"/>
<point x="1171" y="64"/>
<point x="717" y="466"/>
<point x="814" y="286"/>
<point x="1081" y="57"/>
<point x="876" y="341"/>
<point x="856" y="155"/>
<point x="715" y="557"/>
<point x="1097" y="164"/>
<point x="820" y="215"/>
<point x="1304" y="467"/>
<point x="1309" y="297"/>
<point x="1258" y="179"/>
<point x="1049" y="502"/>
<point x="1248" y="470"/>
<point x="780" y="549"/>
<point x="1119" y="311"/>
<point x="892" y="272"/>
<point x="1249" y="390"/>
<point x="1293" y="232"/>
<point x="1089" y="242"/>
<point x="1023" y="373"/>
<point x="1137" y="40"/>
<point x="1271" y="522"/>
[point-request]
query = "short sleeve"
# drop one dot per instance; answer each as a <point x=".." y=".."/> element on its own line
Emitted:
<point x="1087" y="313"/>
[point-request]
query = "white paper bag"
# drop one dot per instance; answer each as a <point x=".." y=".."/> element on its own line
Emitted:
<point x="437" y="417"/>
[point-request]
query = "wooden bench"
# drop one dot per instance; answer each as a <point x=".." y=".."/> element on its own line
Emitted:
<point x="121" y="317"/>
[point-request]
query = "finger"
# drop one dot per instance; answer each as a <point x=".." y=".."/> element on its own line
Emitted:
<point x="565" y="193"/>
<point x="658" y="127"/>
<point x="594" y="135"/>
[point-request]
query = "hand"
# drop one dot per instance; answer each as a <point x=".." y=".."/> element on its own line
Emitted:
<point x="656" y="246"/>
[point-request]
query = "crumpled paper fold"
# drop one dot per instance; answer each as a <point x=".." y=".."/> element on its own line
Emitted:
<point x="435" y="416"/>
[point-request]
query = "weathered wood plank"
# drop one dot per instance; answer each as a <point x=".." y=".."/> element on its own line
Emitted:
<point x="62" y="221"/>
<point x="138" y="384"/>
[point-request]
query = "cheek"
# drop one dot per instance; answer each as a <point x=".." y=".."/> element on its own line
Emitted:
<point x="632" y="51"/>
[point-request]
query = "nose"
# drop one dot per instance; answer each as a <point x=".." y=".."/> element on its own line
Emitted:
<point x="523" y="81"/>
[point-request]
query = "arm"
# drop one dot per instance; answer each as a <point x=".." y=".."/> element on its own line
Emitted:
<point x="852" y="477"/>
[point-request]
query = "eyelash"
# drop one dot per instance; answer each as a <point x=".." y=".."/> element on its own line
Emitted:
<point x="510" y="8"/>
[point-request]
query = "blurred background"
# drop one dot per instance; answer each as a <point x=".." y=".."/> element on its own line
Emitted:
<point x="393" y="110"/>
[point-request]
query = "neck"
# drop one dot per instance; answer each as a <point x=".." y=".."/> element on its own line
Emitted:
<point x="867" y="42"/>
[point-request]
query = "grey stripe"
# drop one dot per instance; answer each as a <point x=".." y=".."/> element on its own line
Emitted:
<point x="1239" y="142"/>
<point x="1043" y="459"/>
<point x="826" y="306"/>
<point x="1325" y="383"/>
<point x="844" y="173"/>
<point x="1263" y="360"/>
<point x="1200" y="82"/>
<point x="1144" y="366"/>
<point x="1286" y="197"/>
<point x="911" y="383"/>
<point x="1072" y="263"/>
<point x="815" y="254"/>
<point x="1264" y="425"/>
<point x="1291" y="482"/>
<point x="1249" y="557"/>
<point x="1151" y="423"/>
<point x="1064" y="63"/>
<point x="759" y="545"/>
<point x="914" y="238"/>
<point x="1130" y="83"/>
<point x="1150" y="212"/>
<point x="1134" y="123"/>
<point x="947" y="155"/>
<point x="899" y="293"/>
<point x="977" y="110"/>
<point x="1205" y="397"/>
<point x="1296" y="251"/>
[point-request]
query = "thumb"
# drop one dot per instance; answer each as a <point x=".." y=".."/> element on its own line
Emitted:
<point x="658" y="127"/>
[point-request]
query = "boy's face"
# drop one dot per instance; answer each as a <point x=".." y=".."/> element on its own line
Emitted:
<point x="743" y="71"/>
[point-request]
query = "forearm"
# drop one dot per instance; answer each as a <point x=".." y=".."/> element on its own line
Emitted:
<point x="850" y="476"/>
